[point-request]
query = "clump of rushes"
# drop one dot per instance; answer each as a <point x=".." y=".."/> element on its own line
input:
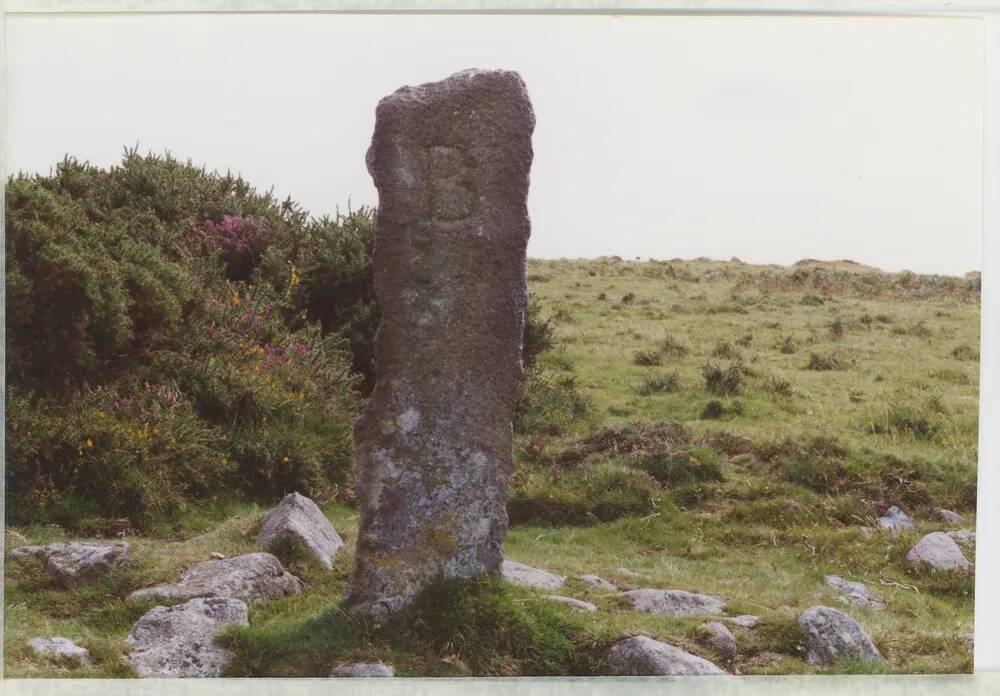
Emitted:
<point x="822" y="363"/>
<point x="660" y="384"/>
<point x="671" y="346"/>
<point x="779" y="387"/>
<point x="647" y="358"/>
<point x="787" y="345"/>
<point x="723" y="381"/>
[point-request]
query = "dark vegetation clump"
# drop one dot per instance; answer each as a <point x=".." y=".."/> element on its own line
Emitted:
<point x="725" y="351"/>
<point x="632" y="439"/>
<point x="695" y="464"/>
<point x="779" y="387"/>
<point x="787" y="345"/>
<point x="836" y="329"/>
<point x="965" y="352"/>
<point x="670" y="346"/>
<point x="723" y="381"/>
<point x="821" y="363"/>
<point x="811" y="300"/>
<point x="667" y="383"/>
<point x="715" y="409"/>
<point x="628" y="298"/>
<point x="647" y="358"/>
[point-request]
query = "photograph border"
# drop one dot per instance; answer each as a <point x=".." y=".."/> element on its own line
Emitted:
<point x="987" y="611"/>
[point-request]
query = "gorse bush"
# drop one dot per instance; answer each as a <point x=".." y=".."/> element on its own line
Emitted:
<point x="172" y="334"/>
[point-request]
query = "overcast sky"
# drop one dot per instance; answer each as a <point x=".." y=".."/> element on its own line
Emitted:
<point x="770" y="139"/>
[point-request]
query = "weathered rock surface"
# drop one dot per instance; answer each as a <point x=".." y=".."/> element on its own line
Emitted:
<point x="577" y="604"/>
<point x="529" y="576"/>
<point x="854" y="592"/>
<point x="716" y="636"/>
<point x="77" y="563"/>
<point x="252" y="577"/>
<point x="831" y="634"/>
<point x="964" y="537"/>
<point x="362" y="669"/>
<point x="629" y="573"/>
<point x="895" y="520"/>
<point x="938" y="551"/>
<point x="951" y="517"/>
<point x="298" y="520"/>
<point x="746" y="621"/>
<point x="598" y="582"/>
<point x="643" y="656"/>
<point x="673" y="602"/>
<point x="61" y="649"/>
<point x="179" y="641"/>
<point x="451" y="163"/>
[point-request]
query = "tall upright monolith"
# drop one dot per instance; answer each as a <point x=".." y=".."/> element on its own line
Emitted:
<point x="451" y="163"/>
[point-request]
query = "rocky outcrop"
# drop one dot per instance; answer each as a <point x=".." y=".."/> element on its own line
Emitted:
<point x="951" y="517"/>
<point x="297" y="520"/>
<point x="529" y="576"/>
<point x="179" y="641"/>
<point x="252" y="577"/>
<point x="362" y="670"/>
<point x="938" y="551"/>
<point x="577" y="604"/>
<point x="895" y="520"/>
<point x="831" y="635"/>
<point x="716" y="636"/>
<point x="77" y="563"/>
<point x="854" y="592"/>
<point x="597" y="582"/>
<point x="673" y="602"/>
<point x="643" y="656"/>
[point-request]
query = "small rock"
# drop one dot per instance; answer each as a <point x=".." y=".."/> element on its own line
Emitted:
<point x="939" y="551"/>
<point x="252" y="577"/>
<point x="673" y="602"/>
<point x="716" y="636"/>
<point x="77" y="563"/>
<point x="362" y="669"/>
<point x="895" y="520"/>
<point x="643" y="656"/>
<point x="216" y="555"/>
<point x="61" y="648"/>
<point x="298" y="519"/>
<point x="854" y="592"/>
<point x="577" y="604"/>
<point x="179" y="641"/>
<point x="746" y="621"/>
<point x="599" y="583"/>
<point x="965" y="537"/>
<point x="867" y="532"/>
<point x="832" y="634"/>
<point x="951" y="517"/>
<point x="529" y="576"/>
<point x="629" y="573"/>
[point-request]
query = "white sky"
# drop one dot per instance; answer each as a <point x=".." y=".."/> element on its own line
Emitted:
<point x="771" y="139"/>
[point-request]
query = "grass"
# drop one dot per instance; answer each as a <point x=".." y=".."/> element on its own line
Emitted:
<point x="756" y="504"/>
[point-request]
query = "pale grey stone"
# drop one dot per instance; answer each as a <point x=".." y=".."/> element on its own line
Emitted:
<point x="746" y="621"/>
<point x="854" y="592"/>
<point x="298" y="520"/>
<point x="673" y="602"/>
<point x="938" y="551"/>
<point x="895" y="520"/>
<point x="716" y="636"/>
<point x="628" y="572"/>
<point x="965" y="537"/>
<point x="362" y="669"/>
<point x="951" y="517"/>
<point x="451" y="163"/>
<point x="577" y="604"/>
<point x="179" y="641"/>
<point x="831" y="634"/>
<point x="61" y="649"/>
<point x="597" y="582"/>
<point x="529" y="576"/>
<point x="643" y="656"/>
<point x="252" y="577"/>
<point x="77" y="563"/>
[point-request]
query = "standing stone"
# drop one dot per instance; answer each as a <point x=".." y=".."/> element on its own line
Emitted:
<point x="450" y="160"/>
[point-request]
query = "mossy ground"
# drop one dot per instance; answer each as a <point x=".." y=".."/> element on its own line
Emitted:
<point x="779" y="501"/>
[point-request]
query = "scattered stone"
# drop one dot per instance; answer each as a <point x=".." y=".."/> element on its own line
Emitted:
<point x="895" y="520"/>
<point x="831" y="634"/>
<point x="643" y="656"/>
<point x="716" y="636"/>
<point x="854" y="592"/>
<point x="951" y="517"/>
<point x="216" y="555"/>
<point x="746" y="621"/>
<point x="252" y="577"/>
<point x="179" y="641"/>
<point x="451" y="163"/>
<point x="529" y="576"/>
<point x="577" y="604"/>
<point x="965" y="537"/>
<point x="297" y="519"/>
<point x="363" y="669"/>
<point x="970" y="643"/>
<point x="62" y="649"/>
<point x="867" y="532"/>
<point x="630" y="573"/>
<point x="77" y="563"/>
<point x="599" y="583"/>
<point x="673" y="602"/>
<point x="939" y="551"/>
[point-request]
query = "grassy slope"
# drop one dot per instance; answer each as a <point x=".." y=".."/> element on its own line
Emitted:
<point x="761" y="566"/>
